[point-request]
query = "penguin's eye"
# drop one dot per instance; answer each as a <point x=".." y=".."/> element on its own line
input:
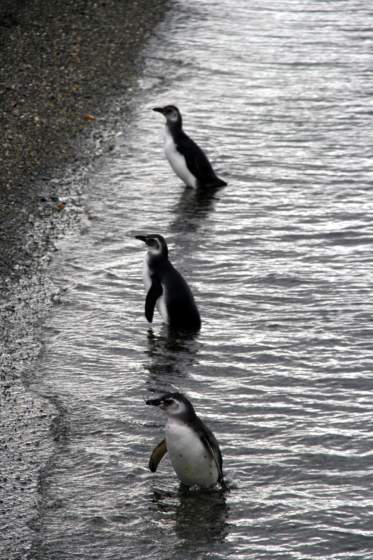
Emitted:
<point x="154" y="243"/>
<point x="168" y="402"/>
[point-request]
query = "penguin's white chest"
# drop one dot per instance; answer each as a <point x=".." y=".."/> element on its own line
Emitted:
<point x="146" y="274"/>
<point x="161" y="301"/>
<point x="177" y="161"/>
<point x="192" y="462"/>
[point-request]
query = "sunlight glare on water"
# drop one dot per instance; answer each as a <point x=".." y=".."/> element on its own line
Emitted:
<point x="280" y="262"/>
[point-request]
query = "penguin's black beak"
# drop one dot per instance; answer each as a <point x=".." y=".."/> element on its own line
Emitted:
<point x="154" y="402"/>
<point x="159" y="110"/>
<point x="141" y="238"/>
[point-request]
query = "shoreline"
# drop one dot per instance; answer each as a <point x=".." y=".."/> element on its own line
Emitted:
<point x="61" y="69"/>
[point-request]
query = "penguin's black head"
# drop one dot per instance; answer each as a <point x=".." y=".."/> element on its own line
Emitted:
<point x="156" y="244"/>
<point x="174" y="404"/>
<point x="171" y="113"/>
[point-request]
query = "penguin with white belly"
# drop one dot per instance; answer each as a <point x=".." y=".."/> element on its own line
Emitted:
<point x="194" y="452"/>
<point x="186" y="158"/>
<point x="166" y="289"/>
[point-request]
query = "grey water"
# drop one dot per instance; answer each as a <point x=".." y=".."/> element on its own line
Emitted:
<point x="280" y="261"/>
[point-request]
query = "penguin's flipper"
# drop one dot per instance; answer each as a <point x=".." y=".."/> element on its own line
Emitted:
<point x="157" y="455"/>
<point x="195" y="158"/>
<point x="216" y="455"/>
<point x="211" y="445"/>
<point x="153" y="294"/>
<point x="198" y="163"/>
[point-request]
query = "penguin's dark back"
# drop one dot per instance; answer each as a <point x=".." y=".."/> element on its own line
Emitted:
<point x="181" y="306"/>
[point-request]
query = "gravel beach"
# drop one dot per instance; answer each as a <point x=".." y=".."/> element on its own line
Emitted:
<point x="61" y="66"/>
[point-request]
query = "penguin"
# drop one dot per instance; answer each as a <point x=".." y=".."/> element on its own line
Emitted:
<point x="194" y="451"/>
<point x="166" y="288"/>
<point x="188" y="160"/>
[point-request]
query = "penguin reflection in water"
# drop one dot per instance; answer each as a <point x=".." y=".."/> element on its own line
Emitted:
<point x="186" y="158"/>
<point x="166" y="288"/>
<point x="193" y="449"/>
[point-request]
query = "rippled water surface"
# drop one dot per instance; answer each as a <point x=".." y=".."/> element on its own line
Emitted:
<point x="280" y="261"/>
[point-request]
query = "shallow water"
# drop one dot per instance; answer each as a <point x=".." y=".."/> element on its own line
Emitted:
<point x="279" y="94"/>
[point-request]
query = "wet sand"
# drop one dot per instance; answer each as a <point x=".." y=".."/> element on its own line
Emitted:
<point x="61" y="66"/>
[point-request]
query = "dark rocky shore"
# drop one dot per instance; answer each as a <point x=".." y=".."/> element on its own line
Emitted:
<point x="61" y="66"/>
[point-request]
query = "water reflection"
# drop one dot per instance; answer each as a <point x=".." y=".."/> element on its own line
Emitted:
<point x="192" y="208"/>
<point x="201" y="517"/>
<point x="171" y="354"/>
